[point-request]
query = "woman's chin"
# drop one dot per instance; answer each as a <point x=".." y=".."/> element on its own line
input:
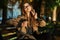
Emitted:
<point x="29" y="10"/>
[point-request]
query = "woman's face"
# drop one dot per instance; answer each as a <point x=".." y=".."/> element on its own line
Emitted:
<point x="27" y="7"/>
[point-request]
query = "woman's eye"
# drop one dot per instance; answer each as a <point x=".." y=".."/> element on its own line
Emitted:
<point x="26" y="6"/>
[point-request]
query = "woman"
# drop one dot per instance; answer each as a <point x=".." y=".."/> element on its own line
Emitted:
<point x="29" y="13"/>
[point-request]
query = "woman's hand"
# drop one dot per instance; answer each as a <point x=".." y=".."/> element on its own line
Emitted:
<point x="34" y="14"/>
<point x="42" y="23"/>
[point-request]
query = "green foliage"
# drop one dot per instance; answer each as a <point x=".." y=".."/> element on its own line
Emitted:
<point x="52" y="3"/>
<point x="58" y="2"/>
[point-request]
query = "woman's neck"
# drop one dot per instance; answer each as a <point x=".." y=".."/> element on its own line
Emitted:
<point x="28" y="14"/>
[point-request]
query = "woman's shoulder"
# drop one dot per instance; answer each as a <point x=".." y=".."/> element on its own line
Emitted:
<point x="23" y="17"/>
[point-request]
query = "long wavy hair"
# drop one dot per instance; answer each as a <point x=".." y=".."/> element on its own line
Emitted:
<point x="31" y="18"/>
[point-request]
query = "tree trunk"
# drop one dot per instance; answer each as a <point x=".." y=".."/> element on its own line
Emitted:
<point x="37" y="6"/>
<point x="54" y="14"/>
<point x="42" y="9"/>
<point x="4" y="14"/>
